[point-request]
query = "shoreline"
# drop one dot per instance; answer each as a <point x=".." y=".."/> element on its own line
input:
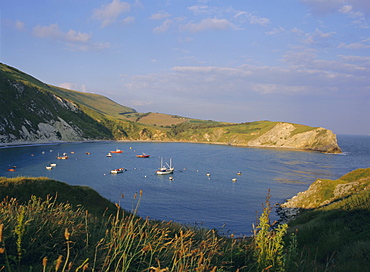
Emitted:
<point x="36" y="143"/>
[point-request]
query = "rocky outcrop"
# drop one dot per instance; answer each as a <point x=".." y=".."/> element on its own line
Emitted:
<point x="282" y="135"/>
<point x="323" y="192"/>
<point x="32" y="115"/>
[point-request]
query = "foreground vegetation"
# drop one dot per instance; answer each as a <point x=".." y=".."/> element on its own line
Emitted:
<point x="47" y="225"/>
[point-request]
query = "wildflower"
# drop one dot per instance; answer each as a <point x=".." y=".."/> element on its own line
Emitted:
<point x="58" y="262"/>
<point x="67" y="234"/>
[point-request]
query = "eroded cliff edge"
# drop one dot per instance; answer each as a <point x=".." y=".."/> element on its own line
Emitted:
<point x="282" y="135"/>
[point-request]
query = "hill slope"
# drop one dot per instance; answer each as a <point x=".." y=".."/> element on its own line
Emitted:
<point x="32" y="111"/>
<point x="333" y="226"/>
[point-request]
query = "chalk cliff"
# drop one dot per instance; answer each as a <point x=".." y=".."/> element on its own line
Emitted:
<point x="282" y="135"/>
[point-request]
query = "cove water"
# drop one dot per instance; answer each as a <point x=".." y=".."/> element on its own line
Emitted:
<point x="192" y="197"/>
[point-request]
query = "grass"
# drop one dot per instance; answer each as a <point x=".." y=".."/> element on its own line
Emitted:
<point x="49" y="233"/>
<point x="71" y="239"/>
<point x="46" y="225"/>
<point x="336" y="236"/>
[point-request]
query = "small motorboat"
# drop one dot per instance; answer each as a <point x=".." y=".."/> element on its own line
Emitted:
<point x="117" y="151"/>
<point x="49" y="167"/>
<point x="117" y="171"/>
<point x="143" y="156"/>
<point x="53" y="164"/>
<point x="11" y="169"/>
<point x="63" y="157"/>
<point x="109" y="155"/>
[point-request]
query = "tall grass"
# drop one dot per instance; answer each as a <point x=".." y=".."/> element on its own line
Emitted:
<point x="43" y="235"/>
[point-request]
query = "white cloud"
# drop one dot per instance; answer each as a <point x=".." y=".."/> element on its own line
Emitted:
<point x="317" y="37"/>
<point x="74" y="36"/>
<point x="20" y="25"/>
<point x="199" y="9"/>
<point x="303" y="74"/>
<point x="53" y="31"/>
<point x="107" y="14"/>
<point x="73" y="86"/>
<point x="251" y="18"/>
<point x="160" y="15"/>
<point x="351" y="7"/>
<point x="163" y="27"/>
<point x="208" y="24"/>
<point x="128" y="20"/>
<point x="75" y="40"/>
<point x="276" y="30"/>
<point x="364" y="44"/>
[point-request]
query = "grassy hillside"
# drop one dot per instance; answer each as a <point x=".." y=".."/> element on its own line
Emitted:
<point x="27" y="102"/>
<point x="96" y="102"/>
<point x="49" y="235"/>
<point x="334" y="233"/>
<point x="22" y="188"/>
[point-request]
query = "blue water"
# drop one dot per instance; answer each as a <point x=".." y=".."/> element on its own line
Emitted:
<point x="192" y="197"/>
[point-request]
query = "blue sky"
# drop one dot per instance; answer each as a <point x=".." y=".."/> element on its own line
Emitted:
<point x="300" y="61"/>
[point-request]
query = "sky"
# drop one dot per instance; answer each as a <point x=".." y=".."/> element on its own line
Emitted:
<point x="299" y="61"/>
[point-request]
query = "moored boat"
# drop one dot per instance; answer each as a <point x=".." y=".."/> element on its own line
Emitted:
<point x="117" y="171"/>
<point x="63" y="157"/>
<point x="117" y="151"/>
<point x="109" y="155"/>
<point x="143" y="156"/>
<point x="165" y="169"/>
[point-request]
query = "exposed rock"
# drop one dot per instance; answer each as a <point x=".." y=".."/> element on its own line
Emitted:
<point x="324" y="192"/>
<point x="52" y="131"/>
<point x="280" y="135"/>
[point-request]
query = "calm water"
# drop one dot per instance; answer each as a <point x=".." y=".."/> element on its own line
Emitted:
<point x="192" y="197"/>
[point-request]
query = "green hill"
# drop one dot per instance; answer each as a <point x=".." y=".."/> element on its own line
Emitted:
<point x="333" y="224"/>
<point x="32" y="111"/>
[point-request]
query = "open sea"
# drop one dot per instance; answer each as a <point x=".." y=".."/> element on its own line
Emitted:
<point x="192" y="197"/>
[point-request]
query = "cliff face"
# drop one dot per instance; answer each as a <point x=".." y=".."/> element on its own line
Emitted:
<point x="325" y="191"/>
<point x="28" y="114"/>
<point x="282" y="135"/>
<point x="268" y="135"/>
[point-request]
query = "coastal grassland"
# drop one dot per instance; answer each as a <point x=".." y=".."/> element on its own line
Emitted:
<point x="48" y="234"/>
<point x="16" y="75"/>
<point x="221" y="132"/>
<point x="22" y="188"/>
<point x="46" y="225"/>
<point x="160" y="119"/>
<point x="335" y="235"/>
<point x="95" y="102"/>
<point x="300" y="129"/>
